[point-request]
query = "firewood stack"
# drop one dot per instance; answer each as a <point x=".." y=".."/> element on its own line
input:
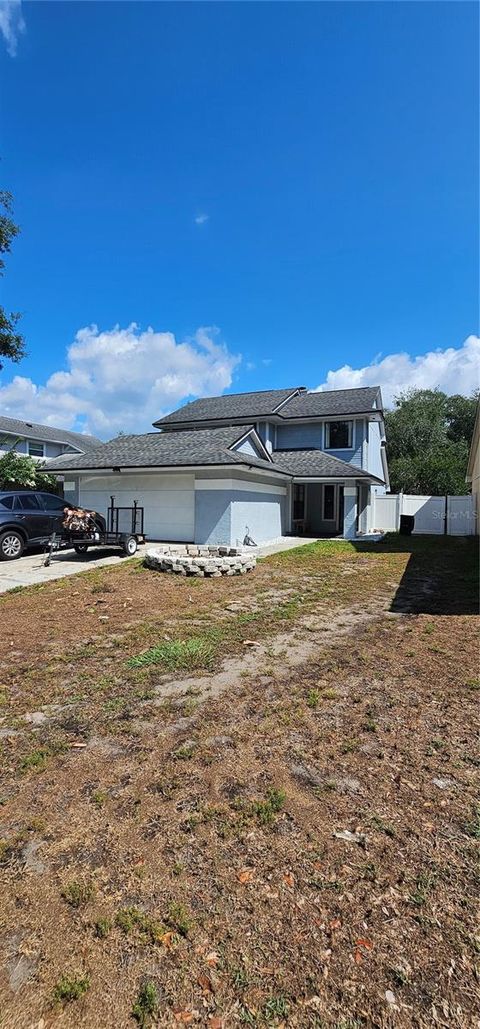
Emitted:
<point x="78" y="520"/>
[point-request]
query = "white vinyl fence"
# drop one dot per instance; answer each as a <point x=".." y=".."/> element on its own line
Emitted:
<point x="455" y="516"/>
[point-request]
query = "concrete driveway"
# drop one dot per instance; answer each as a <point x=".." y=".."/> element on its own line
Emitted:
<point x="30" y="569"/>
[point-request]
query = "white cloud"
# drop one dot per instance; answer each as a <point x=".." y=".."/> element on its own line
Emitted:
<point x="200" y="219"/>
<point x="453" y="370"/>
<point x="122" y="379"/>
<point x="12" y="24"/>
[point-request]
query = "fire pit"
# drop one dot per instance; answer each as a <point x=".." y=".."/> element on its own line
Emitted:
<point x="200" y="561"/>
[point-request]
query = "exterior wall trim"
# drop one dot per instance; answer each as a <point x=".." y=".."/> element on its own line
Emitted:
<point x="239" y="484"/>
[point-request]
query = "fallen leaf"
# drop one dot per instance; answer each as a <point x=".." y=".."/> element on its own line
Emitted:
<point x="183" y="1016"/>
<point x="77" y="746"/>
<point x="205" y="983"/>
<point x="212" y="959"/>
<point x="246" y="875"/>
<point x="251" y="643"/>
<point x="216" y="1022"/>
<point x="357" y="957"/>
<point x="364" y="943"/>
<point x="335" y="924"/>
<point x="289" y="879"/>
<point x="168" y="939"/>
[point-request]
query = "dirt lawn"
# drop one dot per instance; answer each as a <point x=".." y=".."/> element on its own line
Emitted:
<point x="243" y="801"/>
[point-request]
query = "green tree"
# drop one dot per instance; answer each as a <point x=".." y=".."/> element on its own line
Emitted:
<point x="428" y="440"/>
<point x="12" y="343"/>
<point x="19" y="471"/>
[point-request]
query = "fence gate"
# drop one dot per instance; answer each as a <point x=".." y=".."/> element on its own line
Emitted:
<point x="436" y="515"/>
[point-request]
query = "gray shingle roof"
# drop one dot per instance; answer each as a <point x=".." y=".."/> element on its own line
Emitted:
<point x="296" y="402"/>
<point x="166" y="450"/>
<point x="230" y="405"/>
<point x="332" y="402"/>
<point x="316" y="464"/>
<point x="33" y="430"/>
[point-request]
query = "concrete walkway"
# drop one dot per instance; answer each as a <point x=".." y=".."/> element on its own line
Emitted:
<point x="30" y="570"/>
<point x="284" y="543"/>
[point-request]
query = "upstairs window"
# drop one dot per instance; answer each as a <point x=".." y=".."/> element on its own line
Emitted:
<point x="338" y="435"/>
<point x="35" y="449"/>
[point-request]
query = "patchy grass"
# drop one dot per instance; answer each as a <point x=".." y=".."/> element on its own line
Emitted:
<point x="70" y="987"/>
<point x="196" y="652"/>
<point x="77" y="893"/>
<point x="266" y="810"/>
<point x="146" y="1004"/>
<point x="206" y="817"/>
<point x="36" y="761"/>
<point x="102" y="928"/>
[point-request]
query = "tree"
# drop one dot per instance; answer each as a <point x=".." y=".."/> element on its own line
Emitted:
<point x="20" y="472"/>
<point x="12" y="343"/>
<point x="428" y="441"/>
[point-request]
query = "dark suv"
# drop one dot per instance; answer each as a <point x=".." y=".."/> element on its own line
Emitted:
<point x="28" y="518"/>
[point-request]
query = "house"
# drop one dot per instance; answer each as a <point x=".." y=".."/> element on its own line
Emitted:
<point x="473" y="468"/>
<point x="42" y="441"/>
<point x="260" y="464"/>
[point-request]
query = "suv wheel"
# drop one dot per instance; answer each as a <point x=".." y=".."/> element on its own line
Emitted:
<point x="11" y="545"/>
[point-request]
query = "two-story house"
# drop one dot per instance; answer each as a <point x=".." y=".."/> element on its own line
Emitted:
<point x="260" y="464"/>
<point x="42" y="441"/>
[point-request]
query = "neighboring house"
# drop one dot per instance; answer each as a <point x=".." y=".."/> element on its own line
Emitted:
<point x="42" y="441"/>
<point x="473" y="468"/>
<point x="265" y="463"/>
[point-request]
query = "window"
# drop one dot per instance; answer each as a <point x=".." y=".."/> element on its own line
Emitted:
<point x="298" y="503"/>
<point x="329" y="503"/>
<point x="35" y="449"/>
<point x="27" y="502"/>
<point x="51" y="503"/>
<point x="338" y="435"/>
<point x="7" y="502"/>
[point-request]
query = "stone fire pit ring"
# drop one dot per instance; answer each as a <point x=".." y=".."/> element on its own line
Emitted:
<point x="210" y="562"/>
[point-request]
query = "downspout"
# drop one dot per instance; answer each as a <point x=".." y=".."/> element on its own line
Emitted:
<point x="383" y="456"/>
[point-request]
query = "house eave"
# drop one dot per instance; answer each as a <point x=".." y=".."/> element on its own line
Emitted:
<point x="276" y="418"/>
<point x="126" y="468"/>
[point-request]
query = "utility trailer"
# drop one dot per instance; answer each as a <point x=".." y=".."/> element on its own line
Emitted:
<point x="125" y="530"/>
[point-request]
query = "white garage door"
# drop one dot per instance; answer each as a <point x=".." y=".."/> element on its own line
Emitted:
<point x="168" y="501"/>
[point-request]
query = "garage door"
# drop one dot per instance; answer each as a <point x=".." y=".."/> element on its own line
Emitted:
<point x="168" y="500"/>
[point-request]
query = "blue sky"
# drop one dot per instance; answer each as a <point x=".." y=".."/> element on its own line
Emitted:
<point x="303" y="177"/>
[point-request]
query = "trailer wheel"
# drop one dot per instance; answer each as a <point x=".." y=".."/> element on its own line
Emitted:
<point x="80" y="548"/>
<point x="130" y="546"/>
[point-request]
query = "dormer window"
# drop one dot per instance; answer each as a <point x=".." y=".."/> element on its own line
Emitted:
<point x="338" y="435"/>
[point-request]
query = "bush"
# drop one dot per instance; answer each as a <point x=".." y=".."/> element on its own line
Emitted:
<point x="18" y="471"/>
